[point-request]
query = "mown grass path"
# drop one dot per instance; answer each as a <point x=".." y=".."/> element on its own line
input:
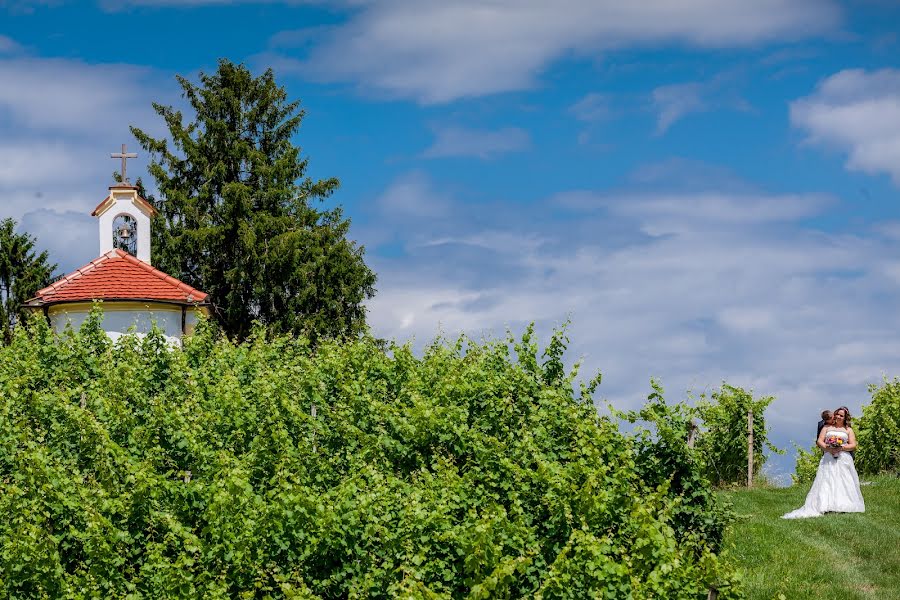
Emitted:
<point x="834" y="557"/>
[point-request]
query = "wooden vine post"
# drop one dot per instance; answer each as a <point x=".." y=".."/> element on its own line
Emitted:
<point x="692" y="433"/>
<point x="312" y="412"/>
<point x="750" y="448"/>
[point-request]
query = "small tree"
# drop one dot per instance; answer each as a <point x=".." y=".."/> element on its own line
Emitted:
<point x="236" y="216"/>
<point x="723" y="441"/>
<point x="22" y="274"/>
<point x="806" y="464"/>
<point x="878" y="430"/>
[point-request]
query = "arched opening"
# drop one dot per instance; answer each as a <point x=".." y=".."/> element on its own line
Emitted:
<point x="125" y="234"/>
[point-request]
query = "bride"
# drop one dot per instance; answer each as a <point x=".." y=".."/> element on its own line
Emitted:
<point x="836" y="488"/>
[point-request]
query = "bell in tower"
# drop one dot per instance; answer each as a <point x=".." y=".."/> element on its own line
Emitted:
<point x="125" y="234"/>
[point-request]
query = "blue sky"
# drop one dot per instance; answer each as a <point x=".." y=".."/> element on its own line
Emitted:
<point x="707" y="188"/>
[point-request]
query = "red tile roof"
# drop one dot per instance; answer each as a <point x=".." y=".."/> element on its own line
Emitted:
<point x="118" y="275"/>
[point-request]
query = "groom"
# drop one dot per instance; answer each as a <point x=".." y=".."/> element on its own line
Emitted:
<point x="826" y="420"/>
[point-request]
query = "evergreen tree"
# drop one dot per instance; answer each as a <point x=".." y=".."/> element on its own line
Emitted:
<point x="22" y="274"/>
<point x="236" y="212"/>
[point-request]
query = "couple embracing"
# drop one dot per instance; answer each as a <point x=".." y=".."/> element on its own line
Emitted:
<point x="836" y="487"/>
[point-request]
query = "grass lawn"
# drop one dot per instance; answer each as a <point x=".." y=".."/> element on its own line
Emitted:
<point x="834" y="557"/>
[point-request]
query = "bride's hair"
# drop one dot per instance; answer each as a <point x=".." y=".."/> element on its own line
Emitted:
<point x="846" y="415"/>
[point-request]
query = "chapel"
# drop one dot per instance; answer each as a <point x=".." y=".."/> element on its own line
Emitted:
<point x="134" y="294"/>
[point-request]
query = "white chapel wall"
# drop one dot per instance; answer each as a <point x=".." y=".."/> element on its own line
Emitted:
<point x="118" y="320"/>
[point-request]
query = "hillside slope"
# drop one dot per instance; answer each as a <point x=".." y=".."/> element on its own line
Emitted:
<point x="846" y="556"/>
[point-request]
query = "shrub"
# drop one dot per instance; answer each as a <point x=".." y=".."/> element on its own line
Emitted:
<point x="663" y="458"/>
<point x="878" y="430"/>
<point x="269" y="469"/>
<point x="806" y="465"/>
<point x="722" y="441"/>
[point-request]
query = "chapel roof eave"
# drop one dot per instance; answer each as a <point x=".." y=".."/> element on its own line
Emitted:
<point x="38" y="303"/>
<point x="108" y="201"/>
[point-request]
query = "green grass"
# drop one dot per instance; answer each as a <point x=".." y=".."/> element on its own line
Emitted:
<point x="833" y="557"/>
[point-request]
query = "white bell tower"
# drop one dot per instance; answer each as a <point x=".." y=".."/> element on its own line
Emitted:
<point x="124" y="217"/>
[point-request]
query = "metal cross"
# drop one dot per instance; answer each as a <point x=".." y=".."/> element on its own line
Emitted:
<point x="124" y="156"/>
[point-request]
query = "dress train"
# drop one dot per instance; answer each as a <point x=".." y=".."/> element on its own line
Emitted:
<point x="836" y="489"/>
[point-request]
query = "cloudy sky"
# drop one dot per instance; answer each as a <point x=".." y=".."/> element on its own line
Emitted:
<point x="707" y="188"/>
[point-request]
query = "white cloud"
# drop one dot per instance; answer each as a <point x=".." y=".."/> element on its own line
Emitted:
<point x="746" y="319"/>
<point x="672" y="212"/>
<point x="715" y="208"/>
<point x="27" y="6"/>
<point x="441" y="51"/>
<point x="685" y="174"/>
<point x="70" y="237"/>
<point x="857" y="112"/>
<point x="411" y="196"/>
<point x="591" y="108"/>
<point x="889" y="229"/>
<point x="70" y="96"/>
<point x="114" y="5"/>
<point x="499" y="242"/>
<point x="32" y="161"/>
<point x="674" y="102"/>
<point x="461" y="141"/>
<point x="8" y="45"/>
<point x="121" y="5"/>
<point x="691" y="287"/>
<point x="176" y="3"/>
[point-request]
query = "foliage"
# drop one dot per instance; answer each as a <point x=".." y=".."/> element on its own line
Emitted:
<point x="878" y="430"/>
<point x="663" y="458"/>
<point x="272" y="469"/>
<point x="723" y="439"/>
<point x="236" y="216"/>
<point x="806" y="465"/>
<point x="22" y="273"/>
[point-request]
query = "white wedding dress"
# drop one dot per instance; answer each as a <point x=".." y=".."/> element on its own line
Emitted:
<point x="836" y="488"/>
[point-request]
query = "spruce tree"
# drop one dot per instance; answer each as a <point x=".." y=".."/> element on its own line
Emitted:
<point x="237" y="217"/>
<point x="22" y="273"/>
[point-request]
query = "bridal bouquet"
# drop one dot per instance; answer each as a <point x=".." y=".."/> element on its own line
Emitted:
<point x="833" y="441"/>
